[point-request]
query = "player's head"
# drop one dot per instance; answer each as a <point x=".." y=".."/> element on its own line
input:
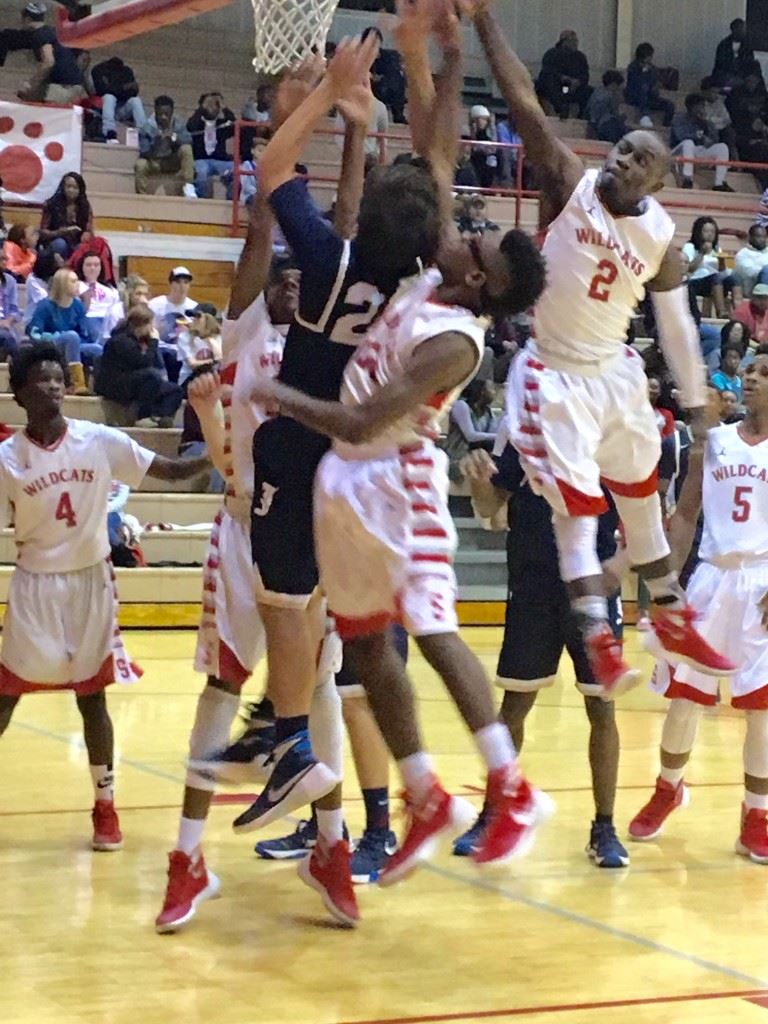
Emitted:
<point x="398" y="226"/>
<point x="731" y="359"/>
<point x="282" y="291"/>
<point x="755" y="395"/>
<point x="633" y="170"/>
<point x="494" y="278"/>
<point x="39" y="378"/>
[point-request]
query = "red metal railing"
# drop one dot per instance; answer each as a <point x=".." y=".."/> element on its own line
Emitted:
<point x="516" y="192"/>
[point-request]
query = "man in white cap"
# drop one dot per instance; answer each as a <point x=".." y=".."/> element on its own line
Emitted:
<point x="171" y="312"/>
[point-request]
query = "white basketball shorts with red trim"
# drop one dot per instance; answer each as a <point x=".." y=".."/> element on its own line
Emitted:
<point x="230" y="639"/>
<point x="574" y="431"/>
<point x="60" y="631"/>
<point x="728" y="601"/>
<point x="385" y="542"/>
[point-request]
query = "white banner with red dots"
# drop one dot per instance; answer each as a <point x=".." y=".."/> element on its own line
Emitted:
<point x="38" y="145"/>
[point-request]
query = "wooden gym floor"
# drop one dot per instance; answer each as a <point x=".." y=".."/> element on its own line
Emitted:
<point x="680" y="936"/>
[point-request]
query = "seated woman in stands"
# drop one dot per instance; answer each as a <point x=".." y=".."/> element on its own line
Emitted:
<point x="67" y="218"/>
<point x="39" y="281"/>
<point x="96" y="295"/>
<point x="21" y="250"/>
<point x="61" y="319"/>
<point x="702" y="257"/>
<point x="200" y="343"/>
<point x="473" y="424"/>
<point x="130" y="372"/>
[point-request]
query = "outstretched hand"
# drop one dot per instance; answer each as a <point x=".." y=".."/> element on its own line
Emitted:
<point x="472" y="8"/>
<point x="204" y="391"/>
<point x="356" y="107"/>
<point x="294" y="87"/>
<point x="350" y="66"/>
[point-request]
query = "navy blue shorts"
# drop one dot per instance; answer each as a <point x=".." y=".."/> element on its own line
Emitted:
<point x="286" y="456"/>
<point x="346" y="680"/>
<point x="539" y="626"/>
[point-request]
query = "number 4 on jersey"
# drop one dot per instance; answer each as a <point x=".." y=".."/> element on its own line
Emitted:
<point x="64" y="510"/>
<point x="600" y="288"/>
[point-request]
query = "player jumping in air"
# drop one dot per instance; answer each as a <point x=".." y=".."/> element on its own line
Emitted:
<point x="578" y="394"/>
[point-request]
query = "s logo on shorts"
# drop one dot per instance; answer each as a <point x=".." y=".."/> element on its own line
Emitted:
<point x="268" y="493"/>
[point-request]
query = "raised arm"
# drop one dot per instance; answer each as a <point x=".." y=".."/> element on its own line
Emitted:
<point x="560" y="168"/>
<point x="412" y="33"/>
<point x="355" y="108"/>
<point x="204" y="394"/>
<point x="255" y="258"/>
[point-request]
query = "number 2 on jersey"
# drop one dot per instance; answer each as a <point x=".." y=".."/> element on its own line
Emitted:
<point x="600" y="288"/>
<point x="743" y="507"/>
<point x="64" y="510"/>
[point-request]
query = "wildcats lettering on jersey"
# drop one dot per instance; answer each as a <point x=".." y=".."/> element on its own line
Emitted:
<point x="590" y="236"/>
<point x="63" y="476"/>
<point x="728" y="472"/>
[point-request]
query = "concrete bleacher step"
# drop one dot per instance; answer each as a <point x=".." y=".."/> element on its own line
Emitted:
<point x="182" y="509"/>
<point x="81" y="407"/>
<point x="182" y="547"/>
<point x="481" y="568"/>
<point x="473" y="536"/>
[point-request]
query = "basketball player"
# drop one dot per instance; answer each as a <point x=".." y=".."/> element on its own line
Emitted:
<point x="385" y="536"/>
<point x="60" y="629"/>
<point x="539" y="625"/>
<point x="231" y="636"/>
<point x="578" y="393"/>
<point x="730" y="585"/>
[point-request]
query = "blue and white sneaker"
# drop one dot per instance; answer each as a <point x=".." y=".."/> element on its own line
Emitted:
<point x="604" y="847"/>
<point x="370" y="854"/>
<point x="466" y="843"/>
<point x="292" y="847"/>
<point x="297" y="779"/>
<point x="246" y="760"/>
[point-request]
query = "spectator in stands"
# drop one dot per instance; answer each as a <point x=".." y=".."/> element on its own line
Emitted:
<point x="171" y="314"/>
<point x="753" y="312"/>
<point x="664" y="417"/>
<point x="200" y="343"/>
<point x="716" y="113"/>
<point x="57" y="77"/>
<point x="129" y="373"/>
<point x="727" y="377"/>
<point x="730" y="411"/>
<point x="734" y="56"/>
<point x="693" y="136"/>
<point x="506" y="133"/>
<point x="702" y="259"/>
<point x="465" y="174"/>
<point x="260" y="109"/>
<point x="563" y="82"/>
<point x="133" y="291"/>
<point x="747" y="107"/>
<point x="485" y="159"/>
<point x="642" y="89"/>
<point x="604" y="118"/>
<point x="735" y="333"/>
<point x="211" y="126"/>
<point x="10" y="314"/>
<point x="21" y="250"/>
<point x="388" y="78"/>
<point x="752" y="261"/>
<point x="61" y="318"/>
<point x="165" y="147"/>
<point x="96" y="295"/>
<point x="116" y="83"/>
<point x="67" y="218"/>
<point x="249" y="181"/>
<point x="475" y="220"/>
<point x="39" y="281"/>
<point x="473" y="424"/>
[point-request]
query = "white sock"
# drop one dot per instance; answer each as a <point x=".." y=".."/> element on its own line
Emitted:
<point x="330" y="825"/>
<point x="759" y="801"/>
<point x="674" y="776"/>
<point x="417" y="772"/>
<point x="190" y="834"/>
<point x="495" y="745"/>
<point x="103" y="781"/>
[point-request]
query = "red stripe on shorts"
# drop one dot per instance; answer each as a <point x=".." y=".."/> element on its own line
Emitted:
<point x="643" y="489"/>
<point x="420" y="506"/>
<point x="425" y="556"/>
<point x="683" y="691"/>
<point x="579" y="504"/>
<point x="430" y="531"/>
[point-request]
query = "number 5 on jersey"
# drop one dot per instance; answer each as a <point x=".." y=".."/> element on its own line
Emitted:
<point x="64" y="511"/>
<point x="600" y="288"/>
<point x="743" y="507"/>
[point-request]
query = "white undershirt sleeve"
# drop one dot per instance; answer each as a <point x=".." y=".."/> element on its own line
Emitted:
<point x="680" y="345"/>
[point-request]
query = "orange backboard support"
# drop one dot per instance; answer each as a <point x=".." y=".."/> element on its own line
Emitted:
<point x="130" y="19"/>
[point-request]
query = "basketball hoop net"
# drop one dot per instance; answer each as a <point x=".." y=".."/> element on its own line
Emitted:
<point x="289" y="30"/>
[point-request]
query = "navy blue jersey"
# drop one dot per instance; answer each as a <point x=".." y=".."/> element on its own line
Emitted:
<point x="336" y="305"/>
<point x="531" y="544"/>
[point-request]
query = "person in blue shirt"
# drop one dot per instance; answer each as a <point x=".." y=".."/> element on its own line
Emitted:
<point x="727" y="377"/>
<point x="61" y="319"/>
<point x="539" y="625"/>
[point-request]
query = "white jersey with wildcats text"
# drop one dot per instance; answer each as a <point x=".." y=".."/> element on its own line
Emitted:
<point x="252" y="350"/>
<point x="410" y="319"/>
<point x="735" y="499"/>
<point x="597" y="268"/>
<point x="57" y="497"/>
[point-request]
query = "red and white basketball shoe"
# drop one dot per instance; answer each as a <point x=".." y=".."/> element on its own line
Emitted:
<point x="674" y="638"/>
<point x="436" y="817"/>
<point x="648" y="822"/>
<point x="514" y="810"/>
<point x="327" y="871"/>
<point x="753" y="840"/>
<point x="606" y="659"/>
<point x="106" y="827"/>
<point x="189" y="883"/>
